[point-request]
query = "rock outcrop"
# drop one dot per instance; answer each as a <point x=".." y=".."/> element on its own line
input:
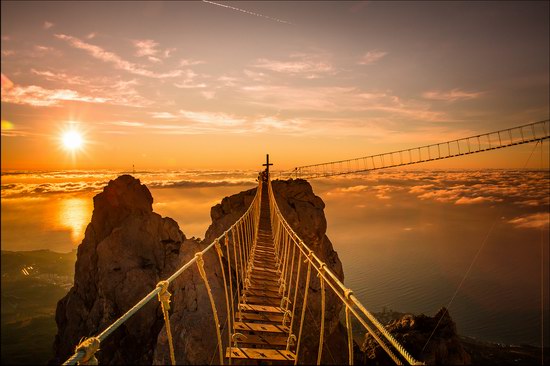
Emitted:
<point x="413" y="331"/>
<point x="304" y="211"/>
<point x="126" y="250"/>
<point x="192" y="317"/>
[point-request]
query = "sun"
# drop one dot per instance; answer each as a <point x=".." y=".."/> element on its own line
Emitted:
<point x="72" y="140"/>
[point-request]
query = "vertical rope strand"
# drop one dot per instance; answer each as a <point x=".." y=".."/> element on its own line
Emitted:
<point x="200" y="265"/>
<point x="323" y="305"/>
<point x="308" y="276"/>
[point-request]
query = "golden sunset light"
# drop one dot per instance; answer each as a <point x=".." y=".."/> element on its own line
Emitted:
<point x="295" y="182"/>
<point x="72" y="140"/>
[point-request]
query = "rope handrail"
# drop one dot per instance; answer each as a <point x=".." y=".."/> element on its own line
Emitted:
<point x="526" y="133"/>
<point x="345" y="294"/>
<point x="82" y="352"/>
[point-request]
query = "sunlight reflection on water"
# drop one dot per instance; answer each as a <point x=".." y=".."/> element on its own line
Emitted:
<point x="74" y="214"/>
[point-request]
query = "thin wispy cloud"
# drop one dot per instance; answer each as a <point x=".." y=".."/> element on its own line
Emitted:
<point x="451" y="95"/>
<point x="150" y="49"/>
<point x="247" y="12"/>
<point x="110" y="57"/>
<point x="38" y="96"/>
<point x="340" y="99"/>
<point x="146" y="47"/>
<point x="210" y="118"/>
<point x="163" y="115"/>
<point x="126" y="123"/>
<point x="372" y="57"/>
<point x="305" y="67"/>
<point x="539" y="220"/>
<point x="97" y="90"/>
<point x="190" y="62"/>
<point x="47" y="25"/>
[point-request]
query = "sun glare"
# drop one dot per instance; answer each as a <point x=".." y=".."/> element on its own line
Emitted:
<point x="72" y="140"/>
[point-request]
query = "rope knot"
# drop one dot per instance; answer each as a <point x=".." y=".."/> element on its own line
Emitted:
<point x="90" y="346"/>
<point x="286" y="315"/>
<point x="218" y="248"/>
<point x="164" y="295"/>
<point x="235" y="338"/>
<point x="347" y="293"/>
<point x="290" y="341"/>
<point x="322" y="269"/>
<point x="200" y="264"/>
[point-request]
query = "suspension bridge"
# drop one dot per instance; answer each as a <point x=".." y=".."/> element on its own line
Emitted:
<point x="267" y="268"/>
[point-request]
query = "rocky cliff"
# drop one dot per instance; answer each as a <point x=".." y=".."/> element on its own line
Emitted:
<point x="413" y="331"/>
<point x="126" y="250"/>
<point x="192" y="318"/>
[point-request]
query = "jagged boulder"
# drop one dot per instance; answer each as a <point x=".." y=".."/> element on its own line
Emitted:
<point x="126" y="250"/>
<point x="413" y="331"/>
<point x="304" y="211"/>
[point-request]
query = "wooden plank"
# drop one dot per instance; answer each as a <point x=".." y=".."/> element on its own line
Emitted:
<point x="264" y="317"/>
<point x="264" y="340"/>
<point x="260" y="287"/>
<point x="266" y="269"/>
<point x="265" y="249"/>
<point x="259" y="354"/>
<point x="262" y="276"/>
<point x="263" y="300"/>
<point x="264" y="293"/>
<point x="260" y="327"/>
<point x="262" y="308"/>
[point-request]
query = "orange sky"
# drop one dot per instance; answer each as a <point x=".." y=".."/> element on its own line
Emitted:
<point x="192" y="85"/>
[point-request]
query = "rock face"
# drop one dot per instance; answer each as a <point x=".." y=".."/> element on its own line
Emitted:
<point x="413" y="331"/>
<point x="126" y="250"/>
<point x="303" y="210"/>
<point x="192" y="317"/>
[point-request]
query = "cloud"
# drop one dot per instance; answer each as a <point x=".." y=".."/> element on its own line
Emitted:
<point x="340" y="99"/>
<point x="91" y="35"/>
<point x="210" y="118"/>
<point x="210" y="94"/>
<point x="188" y="62"/>
<point x="110" y="57"/>
<point x="474" y="200"/>
<point x="355" y="189"/>
<point x="126" y="123"/>
<point x="163" y="115"/>
<point x="188" y="81"/>
<point x="534" y="221"/>
<point x="47" y="25"/>
<point x="451" y="95"/>
<point x="270" y="123"/>
<point x="40" y="97"/>
<point x="372" y="57"/>
<point x="304" y="65"/>
<point x="105" y="91"/>
<point x="146" y="47"/>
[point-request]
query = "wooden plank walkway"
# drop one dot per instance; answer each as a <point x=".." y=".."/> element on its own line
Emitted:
<point x="260" y="319"/>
